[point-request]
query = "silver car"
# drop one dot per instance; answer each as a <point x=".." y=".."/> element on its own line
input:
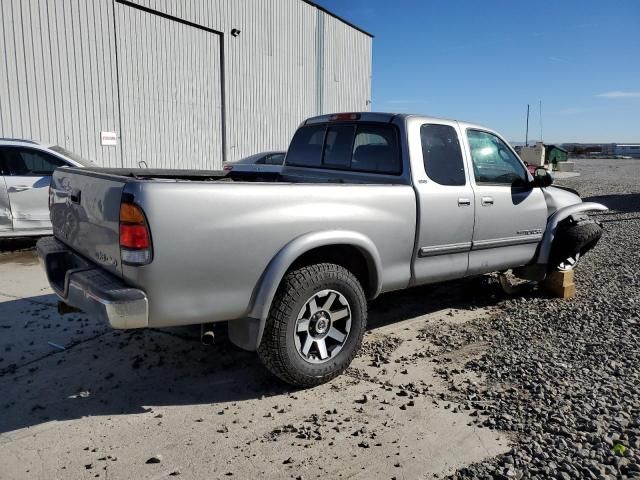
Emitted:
<point x="25" y="174"/>
<point x="267" y="163"/>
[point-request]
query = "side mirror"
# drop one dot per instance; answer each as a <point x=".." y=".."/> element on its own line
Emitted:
<point x="542" y="177"/>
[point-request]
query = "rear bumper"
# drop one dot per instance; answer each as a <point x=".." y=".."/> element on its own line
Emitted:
<point x="86" y="287"/>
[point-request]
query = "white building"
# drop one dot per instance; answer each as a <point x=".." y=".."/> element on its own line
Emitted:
<point x="181" y="83"/>
<point x="628" y="150"/>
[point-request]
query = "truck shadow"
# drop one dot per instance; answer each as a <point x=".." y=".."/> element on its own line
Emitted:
<point x="8" y="245"/>
<point x="618" y="203"/>
<point x="140" y="372"/>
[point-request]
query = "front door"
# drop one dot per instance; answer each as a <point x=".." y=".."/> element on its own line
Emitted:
<point x="445" y="204"/>
<point x="511" y="216"/>
<point x="27" y="186"/>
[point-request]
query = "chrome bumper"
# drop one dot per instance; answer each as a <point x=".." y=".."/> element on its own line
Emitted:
<point x="86" y="287"/>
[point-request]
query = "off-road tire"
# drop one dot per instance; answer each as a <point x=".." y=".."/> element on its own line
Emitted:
<point x="573" y="237"/>
<point x="277" y="350"/>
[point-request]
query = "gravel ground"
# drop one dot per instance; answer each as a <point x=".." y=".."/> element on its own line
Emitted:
<point x="563" y="375"/>
<point x="448" y="375"/>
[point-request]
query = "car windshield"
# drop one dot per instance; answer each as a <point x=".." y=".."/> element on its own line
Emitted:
<point x="73" y="156"/>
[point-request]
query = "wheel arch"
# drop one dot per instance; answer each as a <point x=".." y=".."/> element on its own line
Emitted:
<point x="352" y="250"/>
<point x="552" y="226"/>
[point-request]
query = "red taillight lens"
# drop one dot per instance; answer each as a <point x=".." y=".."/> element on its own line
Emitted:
<point x="227" y="168"/>
<point x="134" y="236"/>
<point x="342" y="117"/>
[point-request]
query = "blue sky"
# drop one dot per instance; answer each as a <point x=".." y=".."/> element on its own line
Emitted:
<point x="483" y="61"/>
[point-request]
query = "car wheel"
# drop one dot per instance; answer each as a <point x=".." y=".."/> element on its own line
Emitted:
<point x="572" y="241"/>
<point x="315" y="325"/>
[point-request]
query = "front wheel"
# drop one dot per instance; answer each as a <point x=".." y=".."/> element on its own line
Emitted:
<point x="573" y="240"/>
<point x="315" y="325"/>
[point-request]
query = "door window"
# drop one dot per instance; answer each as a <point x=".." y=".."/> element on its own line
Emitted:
<point x="26" y="162"/>
<point x="493" y="161"/>
<point x="442" y="155"/>
<point x="274" y="159"/>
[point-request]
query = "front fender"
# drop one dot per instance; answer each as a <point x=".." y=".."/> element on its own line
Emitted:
<point x="555" y="219"/>
<point x="247" y="333"/>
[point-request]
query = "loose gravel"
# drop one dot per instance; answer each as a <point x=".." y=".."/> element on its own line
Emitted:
<point x="564" y="375"/>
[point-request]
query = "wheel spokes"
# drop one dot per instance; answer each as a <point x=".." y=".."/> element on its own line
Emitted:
<point x="317" y="340"/>
<point x="322" y="349"/>
<point x="307" y="345"/>
<point x="336" y="334"/>
<point x="329" y="301"/>
<point x="339" y="315"/>
<point x="313" y="307"/>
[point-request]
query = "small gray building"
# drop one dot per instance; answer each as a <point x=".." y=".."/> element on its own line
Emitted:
<point x="175" y="83"/>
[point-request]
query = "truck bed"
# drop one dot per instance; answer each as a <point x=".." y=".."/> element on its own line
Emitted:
<point x="213" y="238"/>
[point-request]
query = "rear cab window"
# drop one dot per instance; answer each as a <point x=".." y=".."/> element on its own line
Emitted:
<point x="357" y="147"/>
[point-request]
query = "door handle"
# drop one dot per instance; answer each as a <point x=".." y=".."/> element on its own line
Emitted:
<point x="487" y="201"/>
<point x="464" y="202"/>
<point x="19" y="188"/>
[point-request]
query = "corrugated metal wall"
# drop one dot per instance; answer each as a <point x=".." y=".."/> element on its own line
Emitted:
<point x="290" y="61"/>
<point x="347" y="67"/>
<point x="170" y="101"/>
<point x="58" y="78"/>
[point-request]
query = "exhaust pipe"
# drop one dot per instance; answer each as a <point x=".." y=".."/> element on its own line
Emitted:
<point x="207" y="337"/>
<point x="64" y="308"/>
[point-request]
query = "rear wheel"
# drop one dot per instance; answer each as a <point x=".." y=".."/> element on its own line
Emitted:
<point x="315" y="325"/>
<point x="573" y="239"/>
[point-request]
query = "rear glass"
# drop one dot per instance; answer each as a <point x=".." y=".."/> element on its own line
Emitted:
<point x="358" y="147"/>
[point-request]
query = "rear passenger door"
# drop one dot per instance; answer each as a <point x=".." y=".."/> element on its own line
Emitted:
<point x="28" y="182"/>
<point x="445" y="204"/>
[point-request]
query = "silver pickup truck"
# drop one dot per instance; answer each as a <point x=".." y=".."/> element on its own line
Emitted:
<point x="366" y="203"/>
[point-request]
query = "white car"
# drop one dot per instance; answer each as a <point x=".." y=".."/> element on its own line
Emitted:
<point x="25" y="173"/>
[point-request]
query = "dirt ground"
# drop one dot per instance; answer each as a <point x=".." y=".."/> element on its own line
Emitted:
<point x="82" y="401"/>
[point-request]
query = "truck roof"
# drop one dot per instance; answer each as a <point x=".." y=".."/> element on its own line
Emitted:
<point x="385" y="118"/>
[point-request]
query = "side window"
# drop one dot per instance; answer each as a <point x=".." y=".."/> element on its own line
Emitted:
<point x="442" y="155"/>
<point x="25" y="162"/>
<point x="3" y="167"/>
<point x="375" y="149"/>
<point x="275" y="159"/>
<point x="493" y="161"/>
<point x="306" y="146"/>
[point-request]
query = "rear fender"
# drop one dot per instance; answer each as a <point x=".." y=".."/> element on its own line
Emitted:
<point x="247" y="333"/>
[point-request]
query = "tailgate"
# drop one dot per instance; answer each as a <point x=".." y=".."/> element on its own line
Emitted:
<point x="85" y="209"/>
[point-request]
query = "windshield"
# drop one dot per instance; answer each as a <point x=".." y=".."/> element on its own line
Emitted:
<point x="73" y="156"/>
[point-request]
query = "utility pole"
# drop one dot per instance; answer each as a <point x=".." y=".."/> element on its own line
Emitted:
<point x="541" y="121"/>
<point x="526" y="135"/>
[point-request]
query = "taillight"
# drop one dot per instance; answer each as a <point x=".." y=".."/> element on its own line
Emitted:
<point x="135" y="238"/>
<point x="227" y="167"/>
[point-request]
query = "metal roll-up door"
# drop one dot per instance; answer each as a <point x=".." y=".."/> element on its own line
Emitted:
<point x="169" y="76"/>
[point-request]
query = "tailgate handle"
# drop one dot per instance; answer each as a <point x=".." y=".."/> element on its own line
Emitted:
<point x="75" y="196"/>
